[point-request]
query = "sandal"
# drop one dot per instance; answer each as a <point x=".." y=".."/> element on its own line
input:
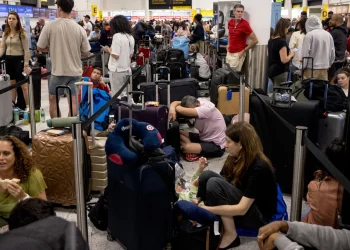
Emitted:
<point x="191" y="157"/>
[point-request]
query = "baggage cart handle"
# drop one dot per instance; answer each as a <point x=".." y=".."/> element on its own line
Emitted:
<point x="131" y="93"/>
<point x="78" y="84"/>
<point x="162" y="68"/>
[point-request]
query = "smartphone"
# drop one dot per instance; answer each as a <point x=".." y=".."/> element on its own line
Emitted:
<point x="295" y="49"/>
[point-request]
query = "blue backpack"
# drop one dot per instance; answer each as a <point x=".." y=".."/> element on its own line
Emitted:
<point x="182" y="42"/>
<point x="101" y="97"/>
<point x="282" y="213"/>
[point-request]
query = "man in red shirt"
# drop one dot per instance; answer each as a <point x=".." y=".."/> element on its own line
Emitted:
<point x="97" y="79"/>
<point x="238" y="32"/>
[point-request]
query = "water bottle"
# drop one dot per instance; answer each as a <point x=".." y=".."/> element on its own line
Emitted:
<point x="26" y="118"/>
<point x="42" y="115"/>
<point x="16" y="115"/>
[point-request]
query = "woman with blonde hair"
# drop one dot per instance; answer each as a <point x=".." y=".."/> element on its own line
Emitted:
<point x="19" y="179"/>
<point x="245" y="192"/>
<point x="15" y="46"/>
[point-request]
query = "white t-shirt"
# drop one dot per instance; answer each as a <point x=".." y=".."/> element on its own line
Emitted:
<point x="87" y="26"/>
<point x="346" y="92"/>
<point x="296" y="41"/>
<point x="122" y="46"/>
<point x="67" y="41"/>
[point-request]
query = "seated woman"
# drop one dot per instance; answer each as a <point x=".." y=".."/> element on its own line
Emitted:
<point x="16" y="163"/>
<point x="204" y="70"/>
<point x="245" y="193"/>
<point x="342" y="79"/>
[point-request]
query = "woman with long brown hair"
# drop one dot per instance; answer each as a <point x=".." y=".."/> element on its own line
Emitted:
<point x="15" y="46"/>
<point x="16" y="163"/>
<point x="245" y="192"/>
<point x="279" y="53"/>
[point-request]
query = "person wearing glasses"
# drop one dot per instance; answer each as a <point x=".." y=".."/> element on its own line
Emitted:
<point x="239" y="30"/>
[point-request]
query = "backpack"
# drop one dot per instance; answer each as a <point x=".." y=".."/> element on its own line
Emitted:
<point x="98" y="213"/>
<point x="17" y="132"/>
<point x="175" y="61"/>
<point x="331" y="97"/>
<point x="281" y="213"/>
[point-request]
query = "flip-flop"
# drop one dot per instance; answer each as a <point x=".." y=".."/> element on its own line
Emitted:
<point x="191" y="157"/>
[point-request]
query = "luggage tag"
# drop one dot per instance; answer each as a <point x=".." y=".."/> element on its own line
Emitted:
<point x="229" y="95"/>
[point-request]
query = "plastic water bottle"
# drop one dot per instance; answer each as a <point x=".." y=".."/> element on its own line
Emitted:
<point x="16" y="115"/>
<point x="42" y="115"/>
<point x="26" y="118"/>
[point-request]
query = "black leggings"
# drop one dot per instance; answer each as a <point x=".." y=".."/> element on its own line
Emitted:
<point x="215" y="190"/>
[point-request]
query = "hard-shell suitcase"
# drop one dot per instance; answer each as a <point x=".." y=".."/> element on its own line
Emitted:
<point x="221" y="77"/>
<point x="6" y="114"/>
<point x="330" y="128"/>
<point x="228" y="100"/>
<point x="178" y="89"/>
<point x="139" y="195"/>
<point x="54" y="156"/>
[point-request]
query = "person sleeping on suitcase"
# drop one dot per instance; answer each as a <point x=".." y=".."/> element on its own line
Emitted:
<point x="97" y="79"/>
<point x="210" y="140"/>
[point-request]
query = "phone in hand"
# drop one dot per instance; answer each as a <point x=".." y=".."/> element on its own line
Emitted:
<point x="295" y="49"/>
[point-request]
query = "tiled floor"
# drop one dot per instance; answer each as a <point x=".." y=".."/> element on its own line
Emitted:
<point x="97" y="238"/>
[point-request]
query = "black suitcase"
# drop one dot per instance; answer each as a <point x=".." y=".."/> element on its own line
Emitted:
<point x="36" y="72"/>
<point x="175" y="60"/>
<point x="221" y="77"/>
<point x="178" y="89"/>
<point x="140" y="196"/>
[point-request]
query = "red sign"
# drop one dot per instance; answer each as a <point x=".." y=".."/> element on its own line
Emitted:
<point x="164" y="17"/>
<point x="177" y="17"/>
<point x="156" y="17"/>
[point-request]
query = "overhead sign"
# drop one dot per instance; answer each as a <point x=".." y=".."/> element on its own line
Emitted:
<point x="182" y="3"/>
<point x="94" y="9"/>
<point x="182" y="7"/>
<point x="100" y="15"/>
<point x="324" y="13"/>
<point x="160" y="4"/>
<point x="275" y="14"/>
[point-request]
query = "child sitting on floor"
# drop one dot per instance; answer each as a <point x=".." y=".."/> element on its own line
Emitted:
<point x="97" y="79"/>
<point x="189" y="192"/>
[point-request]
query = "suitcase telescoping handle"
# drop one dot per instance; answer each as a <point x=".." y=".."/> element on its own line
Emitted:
<point x="304" y="65"/>
<point x="168" y="90"/>
<point x="131" y="93"/>
<point x="69" y="96"/>
<point x="130" y="107"/>
<point x="160" y="70"/>
<point x="325" y="97"/>
<point x="3" y="67"/>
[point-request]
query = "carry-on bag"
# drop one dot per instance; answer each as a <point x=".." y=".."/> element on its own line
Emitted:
<point x="182" y="43"/>
<point x="141" y="186"/>
<point x="221" y="77"/>
<point x="54" y="156"/>
<point x="6" y="114"/>
<point x="228" y="100"/>
<point x="175" y="61"/>
<point x="331" y="127"/>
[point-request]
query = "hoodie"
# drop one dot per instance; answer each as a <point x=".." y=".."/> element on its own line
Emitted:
<point x="318" y="44"/>
<point x="340" y="37"/>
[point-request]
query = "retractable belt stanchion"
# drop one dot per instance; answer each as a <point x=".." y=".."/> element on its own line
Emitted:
<point x="79" y="180"/>
<point x="148" y="71"/>
<point x="241" y="98"/>
<point x="31" y="107"/>
<point x="298" y="173"/>
<point x="214" y="60"/>
<point x="103" y="63"/>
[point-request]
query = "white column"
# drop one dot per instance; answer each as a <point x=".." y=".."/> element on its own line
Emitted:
<point x="256" y="64"/>
<point x="146" y="10"/>
<point x="38" y="3"/>
<point x="325" y="2"/>
<point x="288" y="6"/>
<point x="305" y="3"/>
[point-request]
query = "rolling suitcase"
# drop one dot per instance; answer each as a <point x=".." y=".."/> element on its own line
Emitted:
<point x="221" y="77"/>
<point x="228" y="100"/>
<point x="54" y="156"/>
<point x="5" y="98"/>
<point x="178" y="88"/>
<point x="330" y="128"/>
<point x="175" y="61"/>
<point x="140" y="194"/>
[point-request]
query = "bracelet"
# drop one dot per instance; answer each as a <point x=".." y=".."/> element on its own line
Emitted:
<point x="26" y="197"/>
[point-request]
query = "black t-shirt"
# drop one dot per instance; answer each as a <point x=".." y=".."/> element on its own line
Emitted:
<point x="276" y="67"/>
<point x="259" y="183"/>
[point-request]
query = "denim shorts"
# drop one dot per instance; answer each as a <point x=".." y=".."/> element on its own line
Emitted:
<point x="63" y="81"/>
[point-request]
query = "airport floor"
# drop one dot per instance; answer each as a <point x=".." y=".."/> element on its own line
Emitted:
<point x="98" y="239"/>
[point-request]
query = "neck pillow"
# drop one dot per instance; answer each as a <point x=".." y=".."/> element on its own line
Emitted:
<point x="118" y="148"/>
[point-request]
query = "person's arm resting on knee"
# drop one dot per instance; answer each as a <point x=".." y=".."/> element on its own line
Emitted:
<point x="232" y="210"/>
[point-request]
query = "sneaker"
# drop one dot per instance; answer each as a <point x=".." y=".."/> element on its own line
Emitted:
<point x="191" y="157"/>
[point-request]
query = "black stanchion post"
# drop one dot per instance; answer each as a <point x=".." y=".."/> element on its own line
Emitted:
<point x="298" y="174"/>
<point x="32" y="107"/>
<point x="241" y="98"/>
<point x="79" y="180"/>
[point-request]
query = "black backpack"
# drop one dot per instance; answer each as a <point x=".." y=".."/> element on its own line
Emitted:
<point x="333" y="99"/>
<point x="175" y="61"/>
<point x="99" y="212"/>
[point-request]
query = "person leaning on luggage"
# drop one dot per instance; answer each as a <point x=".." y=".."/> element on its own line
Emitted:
<point x="245" y="192"/>
<point x="239" y="31"/>
<point x="279" y="53"/>
<point x="15" y="47"/>
<point x="16" y="162"/>
<point x="210" y="140"/>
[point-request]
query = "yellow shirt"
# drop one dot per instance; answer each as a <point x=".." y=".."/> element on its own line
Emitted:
<point x="34" y="186"/>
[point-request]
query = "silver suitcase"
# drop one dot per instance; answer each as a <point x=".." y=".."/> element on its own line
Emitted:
<point x="6" y="113"/>
<point x="330" y="128"/>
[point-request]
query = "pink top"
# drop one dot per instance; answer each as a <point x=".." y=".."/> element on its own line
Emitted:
<point x="210" y="123"/>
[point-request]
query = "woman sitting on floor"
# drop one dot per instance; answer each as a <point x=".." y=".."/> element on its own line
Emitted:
<point x="245" y="193"/>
